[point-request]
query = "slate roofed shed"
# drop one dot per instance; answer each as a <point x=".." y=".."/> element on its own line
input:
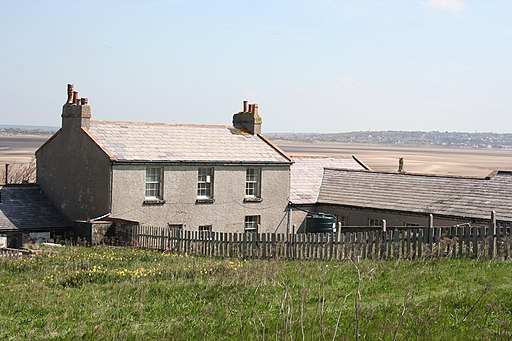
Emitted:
<point x="449" y="196"/>
<point x="26" y="208"/>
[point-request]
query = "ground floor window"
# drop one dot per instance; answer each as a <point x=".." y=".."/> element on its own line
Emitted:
<point x="341" y="220"/>
<point x="205" y="231"/>
<point x="252" y="223"/>
<point x="375" y="222"/>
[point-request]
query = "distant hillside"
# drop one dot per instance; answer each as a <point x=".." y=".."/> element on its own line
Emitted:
<point x="417" y="138"/>
<point x="27" y="130"/>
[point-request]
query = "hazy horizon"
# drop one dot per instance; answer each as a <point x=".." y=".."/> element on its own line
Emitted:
<point x="35" y="127"/>
<point x="319" y="66"/>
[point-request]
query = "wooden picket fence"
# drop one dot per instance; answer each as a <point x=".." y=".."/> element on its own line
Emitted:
<point x="8" y="254"/>
<point x="399" y="242"/>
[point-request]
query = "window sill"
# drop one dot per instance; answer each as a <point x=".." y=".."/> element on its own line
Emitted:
<point x="205" y="201"/>
<point x="253" y="199"/>
<point x="153" y="202"/>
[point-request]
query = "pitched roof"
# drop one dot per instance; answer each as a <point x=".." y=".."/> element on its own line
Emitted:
<point x="25" y="207"/>
<point x="463" y="197"/>
<point x="160" y="142"/>
<point x="307" y="173"/>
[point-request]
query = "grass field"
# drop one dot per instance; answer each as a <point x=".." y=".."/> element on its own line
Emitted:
<point x="106" y="293"/>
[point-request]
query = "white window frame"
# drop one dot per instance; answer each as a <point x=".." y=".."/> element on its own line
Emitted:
<point x="205" y="183"/>
<point x="253" y="183"/>
<point x="251" y="223"/>
<point x="154" y="180"/>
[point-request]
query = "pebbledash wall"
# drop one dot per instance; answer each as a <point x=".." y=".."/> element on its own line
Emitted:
<point x="85" y="182"/>
<point x="226" y="213"/>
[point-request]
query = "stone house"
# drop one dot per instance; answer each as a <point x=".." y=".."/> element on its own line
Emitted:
<point x="195" y="177"/>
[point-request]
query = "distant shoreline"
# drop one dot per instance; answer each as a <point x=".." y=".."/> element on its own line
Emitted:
<point x="2" y="134"/>
<point x="381" y="145"/>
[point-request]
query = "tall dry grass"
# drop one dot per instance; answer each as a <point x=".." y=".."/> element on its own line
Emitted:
<point x="19" y="173"/>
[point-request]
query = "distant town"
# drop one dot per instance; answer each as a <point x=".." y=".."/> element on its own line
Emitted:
<point x="27" y="130"/>
<point x="411" y="138"/>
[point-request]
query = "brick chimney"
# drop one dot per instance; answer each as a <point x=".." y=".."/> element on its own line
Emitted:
<point x="248" y="119"/>
<point x="76" y="112"/>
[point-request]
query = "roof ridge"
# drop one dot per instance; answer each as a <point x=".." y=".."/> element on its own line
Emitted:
<point x="336" y="157"/>
<point x="275" y="147"/>
<point x="163" y="124"/>
<point x="428" y="175"/>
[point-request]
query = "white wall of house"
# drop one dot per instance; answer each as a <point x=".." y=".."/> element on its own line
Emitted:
<point x="179" y="191"/>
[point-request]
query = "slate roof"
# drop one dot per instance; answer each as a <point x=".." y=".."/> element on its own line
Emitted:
<point x="451" y="196"/>
<point x="160" y="142"/>
<point x="25" y="207"/>
<point x="307" y="173"/>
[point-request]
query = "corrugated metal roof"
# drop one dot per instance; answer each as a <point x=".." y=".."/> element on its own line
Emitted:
<point x="440" y="195"/>
<point x="26" y="207"/>
<point x="307" y="173"/>
<point x="160" y="142"/>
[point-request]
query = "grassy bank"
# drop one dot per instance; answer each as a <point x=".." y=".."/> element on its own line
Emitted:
<point x="98" y="293"/>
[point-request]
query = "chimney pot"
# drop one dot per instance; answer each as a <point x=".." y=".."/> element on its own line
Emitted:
<point x="84" y="101"/>
<point x="70" y="94"/>
<point x="245" y="106"/>
<point x="75" y="97"/>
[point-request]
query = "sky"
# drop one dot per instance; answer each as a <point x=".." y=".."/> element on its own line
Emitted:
<point x="311" y="65"/>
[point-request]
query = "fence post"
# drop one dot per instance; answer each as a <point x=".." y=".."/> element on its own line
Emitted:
<point x="430" y="231"/>
<point x="492" y="231"/>
<point x="133" y="236"/>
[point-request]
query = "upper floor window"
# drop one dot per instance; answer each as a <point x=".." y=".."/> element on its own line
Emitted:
<point x="154" y="182"/>
<point x="205" y="183"/>
<point x="252" y="182"/>
<point x="252" y="222"/>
